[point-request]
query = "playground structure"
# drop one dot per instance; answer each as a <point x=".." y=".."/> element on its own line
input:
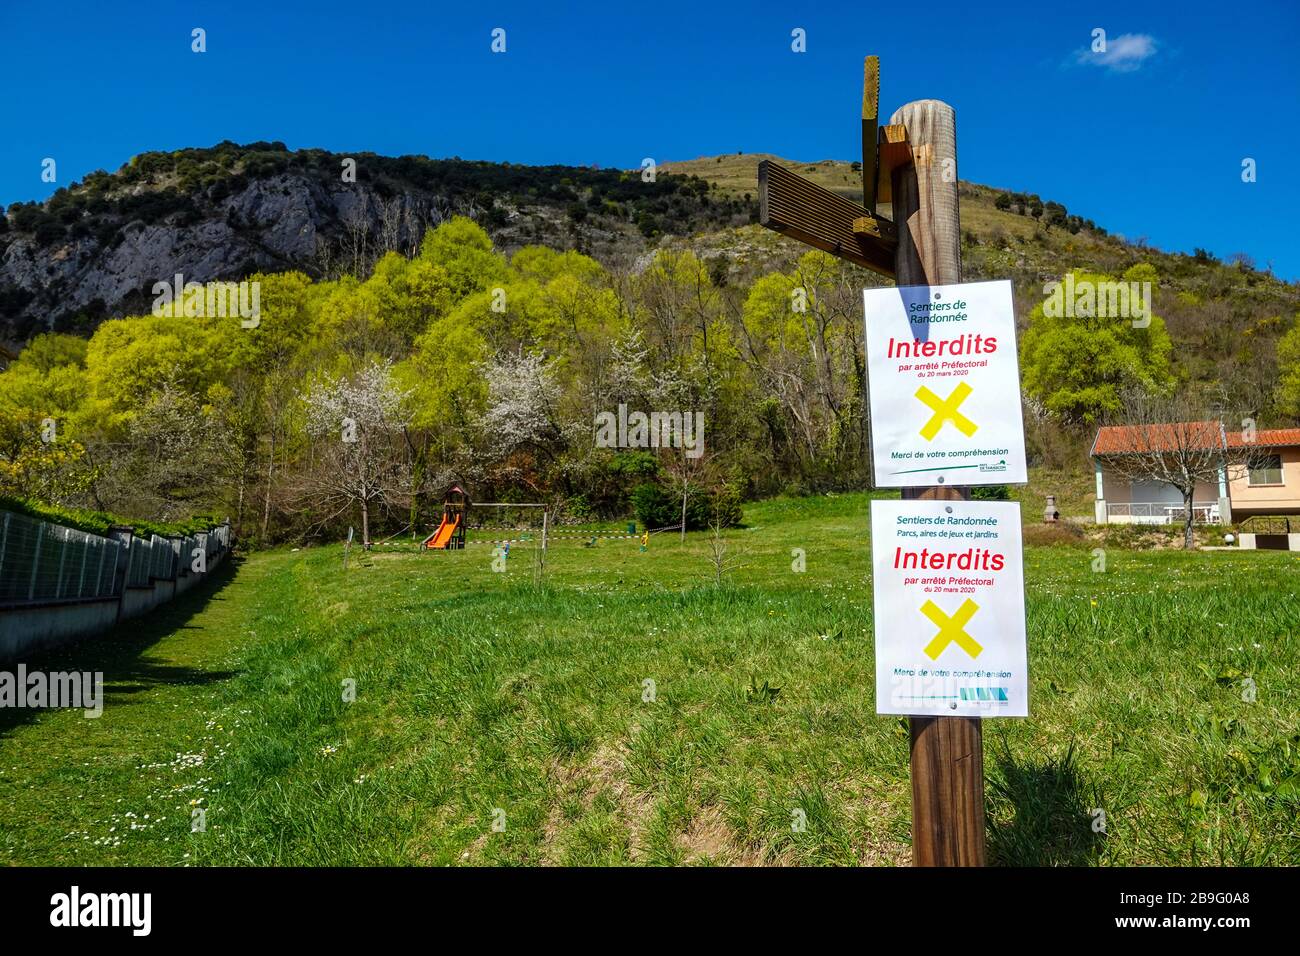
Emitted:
<point x="456" y="507"/>
<point x="450" y="535"/>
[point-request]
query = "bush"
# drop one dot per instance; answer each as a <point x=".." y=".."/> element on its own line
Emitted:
<point x="634" y="463"/>
<point x="579" y="508"/>
<point x="653" y="507"/>
<point x="49" y="232"/>
<point x="656" y="507"/>
<point x="25" y="217"/>
<point x="1060" y="532"/>
<point x="605" y="481"/>
<point x="990" y="493"/>
<point x="1142" y="537"/>
<point x="699" y="512"/>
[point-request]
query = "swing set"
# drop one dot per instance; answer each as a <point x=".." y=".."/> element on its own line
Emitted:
<point x="456" y="506"/>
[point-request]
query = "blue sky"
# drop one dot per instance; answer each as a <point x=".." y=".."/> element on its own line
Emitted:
<point x="1147" y="140"/>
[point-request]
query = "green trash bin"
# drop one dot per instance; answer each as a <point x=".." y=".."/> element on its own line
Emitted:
<point x="631" y="527"/>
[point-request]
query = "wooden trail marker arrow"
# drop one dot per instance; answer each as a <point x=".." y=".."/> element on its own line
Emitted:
<point x="795" y="207"/>
<point x="913" y="167"/>
<point x="870" y="115"/>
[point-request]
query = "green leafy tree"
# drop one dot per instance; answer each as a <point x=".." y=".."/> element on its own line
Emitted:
<point x="464" y="250"/>
<point x="38" y="463"/>
<point x="1288" y="361"/>
<point x="1077" y="363"/>
<point x="52" y="350"/>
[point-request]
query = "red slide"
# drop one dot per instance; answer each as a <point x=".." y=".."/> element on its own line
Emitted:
<point x="445" y="530"/>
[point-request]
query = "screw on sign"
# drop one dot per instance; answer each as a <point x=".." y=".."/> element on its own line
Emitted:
<point x="910" y="164"/>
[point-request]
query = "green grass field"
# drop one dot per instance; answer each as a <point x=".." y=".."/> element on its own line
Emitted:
<point x="482" y="698"/>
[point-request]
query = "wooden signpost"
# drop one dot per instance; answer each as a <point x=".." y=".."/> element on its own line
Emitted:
<point x="911" y="164"/>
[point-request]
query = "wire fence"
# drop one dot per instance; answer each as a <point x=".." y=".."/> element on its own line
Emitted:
<point x="41" y="562"/>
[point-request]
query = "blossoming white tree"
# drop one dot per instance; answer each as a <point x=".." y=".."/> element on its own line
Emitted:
<point x="359" y="455"/>
<point x="523" y="411"/>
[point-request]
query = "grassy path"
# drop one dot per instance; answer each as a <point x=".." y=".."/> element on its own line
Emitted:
<point x="633" y="712"/>
<point x="119" y="789"/>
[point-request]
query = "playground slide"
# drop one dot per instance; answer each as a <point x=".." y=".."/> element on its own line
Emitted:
<point x="445" y="530"/>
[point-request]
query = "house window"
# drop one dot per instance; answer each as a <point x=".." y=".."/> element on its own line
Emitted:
<point x="1267" y="471"/>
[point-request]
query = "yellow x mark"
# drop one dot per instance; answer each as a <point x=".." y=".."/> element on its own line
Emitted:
<point x="951" y="629"/>
<point x="945" y="410"/>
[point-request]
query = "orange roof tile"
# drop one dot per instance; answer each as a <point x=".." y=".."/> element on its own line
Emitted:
<point x="1127" y="439"/>
<point x="1124" y="439"/>
<point x="1267" y="438"/>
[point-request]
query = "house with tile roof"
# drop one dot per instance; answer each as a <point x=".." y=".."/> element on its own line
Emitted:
<point x="1268" y="486"/>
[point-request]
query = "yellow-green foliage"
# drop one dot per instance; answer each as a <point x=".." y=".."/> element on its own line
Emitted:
<point x="1288" y="360"/>
<point x="1079" y="362"/>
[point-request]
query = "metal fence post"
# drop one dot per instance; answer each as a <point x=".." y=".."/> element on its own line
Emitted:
<point x="85" y="553"/>
<point x="99" y="575"/>
<point x="36" y="561"/>
<point x="4" y="541"/>
<point x="63" y="556"/>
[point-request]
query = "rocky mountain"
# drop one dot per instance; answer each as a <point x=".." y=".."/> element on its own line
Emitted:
<point x="96" y="248"/>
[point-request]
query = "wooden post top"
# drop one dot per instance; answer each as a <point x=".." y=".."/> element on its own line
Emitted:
<point x="794" y="206"/>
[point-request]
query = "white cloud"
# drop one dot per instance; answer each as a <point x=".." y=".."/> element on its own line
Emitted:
<point x="1123" y="54"/>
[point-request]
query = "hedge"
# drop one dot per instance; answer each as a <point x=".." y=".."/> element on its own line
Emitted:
<point x="99" y="522"/>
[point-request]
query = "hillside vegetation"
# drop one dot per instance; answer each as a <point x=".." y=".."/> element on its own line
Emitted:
<point x="95" y="248"/>
<point x="464" y="350"/>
